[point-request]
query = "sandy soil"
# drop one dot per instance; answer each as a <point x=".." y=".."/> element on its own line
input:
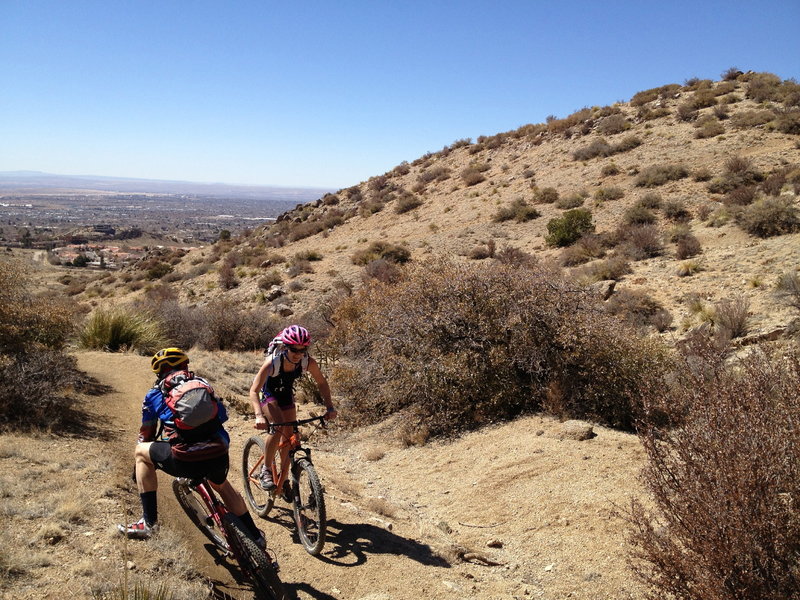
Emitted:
<point x="512" y="511"/>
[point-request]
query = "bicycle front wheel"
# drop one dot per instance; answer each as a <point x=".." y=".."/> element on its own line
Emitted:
<point x="199" y="513"/>
<point x="308" y="506"/>
<point x="254" y="561"/>
<point x="260" y="501"/>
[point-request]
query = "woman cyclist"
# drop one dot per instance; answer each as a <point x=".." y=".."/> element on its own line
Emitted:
<point x="272" y="392"/>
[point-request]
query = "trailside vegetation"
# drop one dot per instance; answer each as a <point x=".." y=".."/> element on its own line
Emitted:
<point x="459" y="346"/>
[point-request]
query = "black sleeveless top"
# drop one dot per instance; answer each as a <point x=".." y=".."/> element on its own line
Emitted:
<point x="281" y="385"/>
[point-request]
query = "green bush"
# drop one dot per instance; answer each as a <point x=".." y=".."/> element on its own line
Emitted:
<point x="723" y="474"/>
<point x="457" y="346"/>
<point x="568" y="228"/>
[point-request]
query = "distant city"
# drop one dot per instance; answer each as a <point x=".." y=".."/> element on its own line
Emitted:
<point x="39" y="210"/>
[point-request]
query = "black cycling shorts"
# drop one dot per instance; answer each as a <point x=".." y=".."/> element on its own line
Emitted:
<point x="213" y="469"/>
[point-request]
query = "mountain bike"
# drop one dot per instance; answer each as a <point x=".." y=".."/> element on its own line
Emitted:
<point x="227" y="532"/>
<point x="296" y="482"/>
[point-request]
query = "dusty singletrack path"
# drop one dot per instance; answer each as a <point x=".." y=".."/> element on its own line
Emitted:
<point x="361" y="559"/>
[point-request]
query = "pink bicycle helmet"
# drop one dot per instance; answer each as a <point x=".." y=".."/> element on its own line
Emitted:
<point x="294" y="335"/>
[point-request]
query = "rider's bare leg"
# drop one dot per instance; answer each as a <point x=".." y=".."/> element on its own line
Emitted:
<point x="146" y="478"/>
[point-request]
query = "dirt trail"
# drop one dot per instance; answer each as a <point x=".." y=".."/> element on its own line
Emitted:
<point x="425" y="522"/>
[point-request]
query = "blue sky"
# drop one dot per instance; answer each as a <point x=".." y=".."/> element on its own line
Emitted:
<point x="328" y="94"/>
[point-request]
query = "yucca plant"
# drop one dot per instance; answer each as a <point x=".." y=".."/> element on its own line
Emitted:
<point x="116" y="330"/>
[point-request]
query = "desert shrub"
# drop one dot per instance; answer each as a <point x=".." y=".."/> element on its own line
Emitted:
<point x="764" y="86"/>
<point x="299" y="231"/>
<point x="645" y="113"/>
<point x="732" y="316"/>
<point x="701" y="174"/>
<point x="640" y="242"/>
<point x="639" y="215"/>
<point x="436" y="346"/>
<point x="639" y="309"/>
<point x="519" y="210"/>
<point x="392" y="252"/>
<point x="569" y="201"/>
<point x="686" y="112"/>
<point x="731" y="74"/>
<point x="651" y="200"/>
<point x="473" y="175"/>
<point x="512" y="256"/>
<point x="227" y="276"/>
<point x="675" y="210"/>
<point x="120" y="329"/>
<point x="439" y="173"/>
<point x="612" y="268"/>
<point x="36" y="377"/>
<point x="596" y="148"/>
<point x="227" y="327"/>
<point x="723" y="471"/>
<point x="752" y="118"/>
<point x="738" y="172"/>
<point x="370" y="207"/>
<point x="613" y="124"/>
<point x="769" y="217"/>
<point x="566" y="229"/>
<point x="788" y="121"/>
<point x="627" y="143"/>
<point x="687" y="268"/>
<point x="708" y="128"/>
<point x="704" y="98"/>
<point x="656" y="175"/>
<point x="721" y="112"/>
<point x="743" y="195"/>
<point x="272" y="277"/>
<point x="609" y="170"/>
<point x="774" y="183"/>
<point x="588" y="247"/>
<point x="788" y="288"/>
<point x="546" y="195"/>
<point x="383" y="270"/>
<point x="608" y="193"/>
<point x="687" y="246"/>
<point x="645" y="96"/>
<point x="298" y="266"/>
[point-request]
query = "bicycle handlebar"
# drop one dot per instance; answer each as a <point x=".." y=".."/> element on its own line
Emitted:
<point x="296" y="424"/>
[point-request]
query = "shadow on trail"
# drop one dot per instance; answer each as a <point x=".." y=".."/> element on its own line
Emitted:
<point x="76" y="421"/>
<point x="350" y="544"/>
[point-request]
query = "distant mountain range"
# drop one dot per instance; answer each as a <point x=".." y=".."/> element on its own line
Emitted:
<point x="22" y="181"/>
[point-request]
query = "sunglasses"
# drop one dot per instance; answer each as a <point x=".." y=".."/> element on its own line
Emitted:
<point x="300" y="350"/>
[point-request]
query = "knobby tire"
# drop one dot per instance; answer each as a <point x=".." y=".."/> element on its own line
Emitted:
<point x="254" y="561"/>
<point x="197" y="511"/>
<point x="259" y="501"/>
<point x="308" y="506"/>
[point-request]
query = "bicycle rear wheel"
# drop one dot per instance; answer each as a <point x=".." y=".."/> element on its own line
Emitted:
<point x="308" y="506"/>
<point x="260" y="501"/>
<point x="197" y="510"/>
<point x="254" y="561"/>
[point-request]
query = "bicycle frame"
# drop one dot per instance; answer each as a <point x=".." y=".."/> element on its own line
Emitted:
<point x="215" y="506"/>
<point x="295" y="446"/>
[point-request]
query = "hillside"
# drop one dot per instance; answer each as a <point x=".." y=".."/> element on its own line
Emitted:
<point x="699" y="162"/>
